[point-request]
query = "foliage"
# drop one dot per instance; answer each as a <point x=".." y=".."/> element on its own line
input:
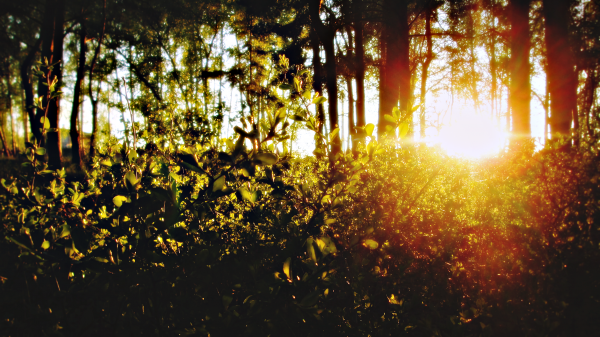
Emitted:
<point x="247" y="240"/>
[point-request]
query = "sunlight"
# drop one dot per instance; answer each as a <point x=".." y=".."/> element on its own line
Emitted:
<point x="471" y="135"/>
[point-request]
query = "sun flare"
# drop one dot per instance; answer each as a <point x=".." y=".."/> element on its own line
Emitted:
<point x="471" y="135"/>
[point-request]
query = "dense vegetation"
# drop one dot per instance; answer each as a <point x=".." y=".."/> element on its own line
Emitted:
<point x="395" y="238"/>
<point x="203" y="220"/>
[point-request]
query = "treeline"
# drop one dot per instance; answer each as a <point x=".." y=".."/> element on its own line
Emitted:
<point x="159" y="58"/>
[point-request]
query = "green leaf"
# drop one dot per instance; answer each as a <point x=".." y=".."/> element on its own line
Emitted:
<point x="18" y="243"/>
<point x="219" y="184"/>
<point x="266" y="158"/>
<point x="333" y="134"/>
<point x="130" y="180"/>
<point x="306" y="94"/>
<point x="45" y="122"/>
<point x="319" y="100"/>
<point x="310" y="250"/>
<point x="403" y="129"/>
<point x="390" y="119"/>
<point x="106" y="162"/>
<point x="281" y="113"/>
<point x="326" y="245"/>
<point x="371" y="244"/>
<point x="40" y="151"/>
<point x="285" y="86"/>
<point x="248" y="195"/>
<point x="369" y="129"/>
<point x="287" y="269"/>
<point x="66" y="231"/>
<point x="118" y="200"/>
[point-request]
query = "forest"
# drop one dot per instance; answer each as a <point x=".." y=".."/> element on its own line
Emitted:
<point x="275" y="168"/>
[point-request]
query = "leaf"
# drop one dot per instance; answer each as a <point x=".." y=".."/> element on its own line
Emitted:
<point x="266" y="158"/>
<point x="333" y="134"/>
<point x="326" y="245"/>
<point x="40" y="151"/>
<point x="45" y="122"/>
<point x="371" y="244"/>
<point x="118" y="200"/>
<point x="285" y="86"/>
<point x="306" y="94"/>
<point x="403" y="129"/>
<point x="369" y="129"/>
<point x="281" y="113"/>
<point x="19" y="243"/>
<point x="248" y="195"/>
<point x="287" y="269"/>
<point x="319" y="100"/>
<point x="298" y="118"/>
<point x="390" y="119"/>
<point x="107" y="163"/>
<point x="219" y="184"/>
<point x="130" y="180"/>
<point x="66" y="231"/>
<point x="310" y="250"/>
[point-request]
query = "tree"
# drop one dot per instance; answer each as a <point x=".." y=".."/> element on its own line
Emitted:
<point x="76" y="154"/>
<point x="561" y="77"/>
<point x="52" y="35"/>
<point x="395" y="66"/>
<point x="520" y="88"/>
<point x="326" y="35"/>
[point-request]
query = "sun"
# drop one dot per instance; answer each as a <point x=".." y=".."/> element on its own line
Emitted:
<point x="470" y="134"/>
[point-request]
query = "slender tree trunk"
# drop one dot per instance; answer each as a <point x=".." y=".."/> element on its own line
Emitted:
<point x="520" y="88"/>
<point x="561" y="77"/>
<point x="396" y="67"/>
<point x="424" y="75"/>
<point x="359" y="52"/>
<point x="27" y="86"/>
<point x="10" y="111"/>
<point x="493" y="71"/>
<point x="52" y="49"/>
<point x="327" y="38"/>
<point x="589" y="91"/>
<point x="318" y="76"/>
<point x="5" y="149"/>
<point x="24" y="117"/>
<point x="93" y="100"/>
<point x="351" y="121"/>
<point x="76" y="155"/>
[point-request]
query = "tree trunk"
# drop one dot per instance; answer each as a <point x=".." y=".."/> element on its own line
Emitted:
<point x="428" y="59"/>
<point x="10" y="111"/>
<point x="5" y="149"/>
<point x="520" y="88"/>
<point x="561" y="77"/>
<point x="351" y="122"/>
<point x="327" y="38"/>
<point x="24" y="117"/>
<point x="589" y="97"/>
<point x="396" y="67"/>
<point x="359" y="52"/>
<point x="52" y="49"/>
<point x="318" y="77"/>
<point x="93" y="100"/>
<point x="27" y="86"/>
<point x="76" y="155"/>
